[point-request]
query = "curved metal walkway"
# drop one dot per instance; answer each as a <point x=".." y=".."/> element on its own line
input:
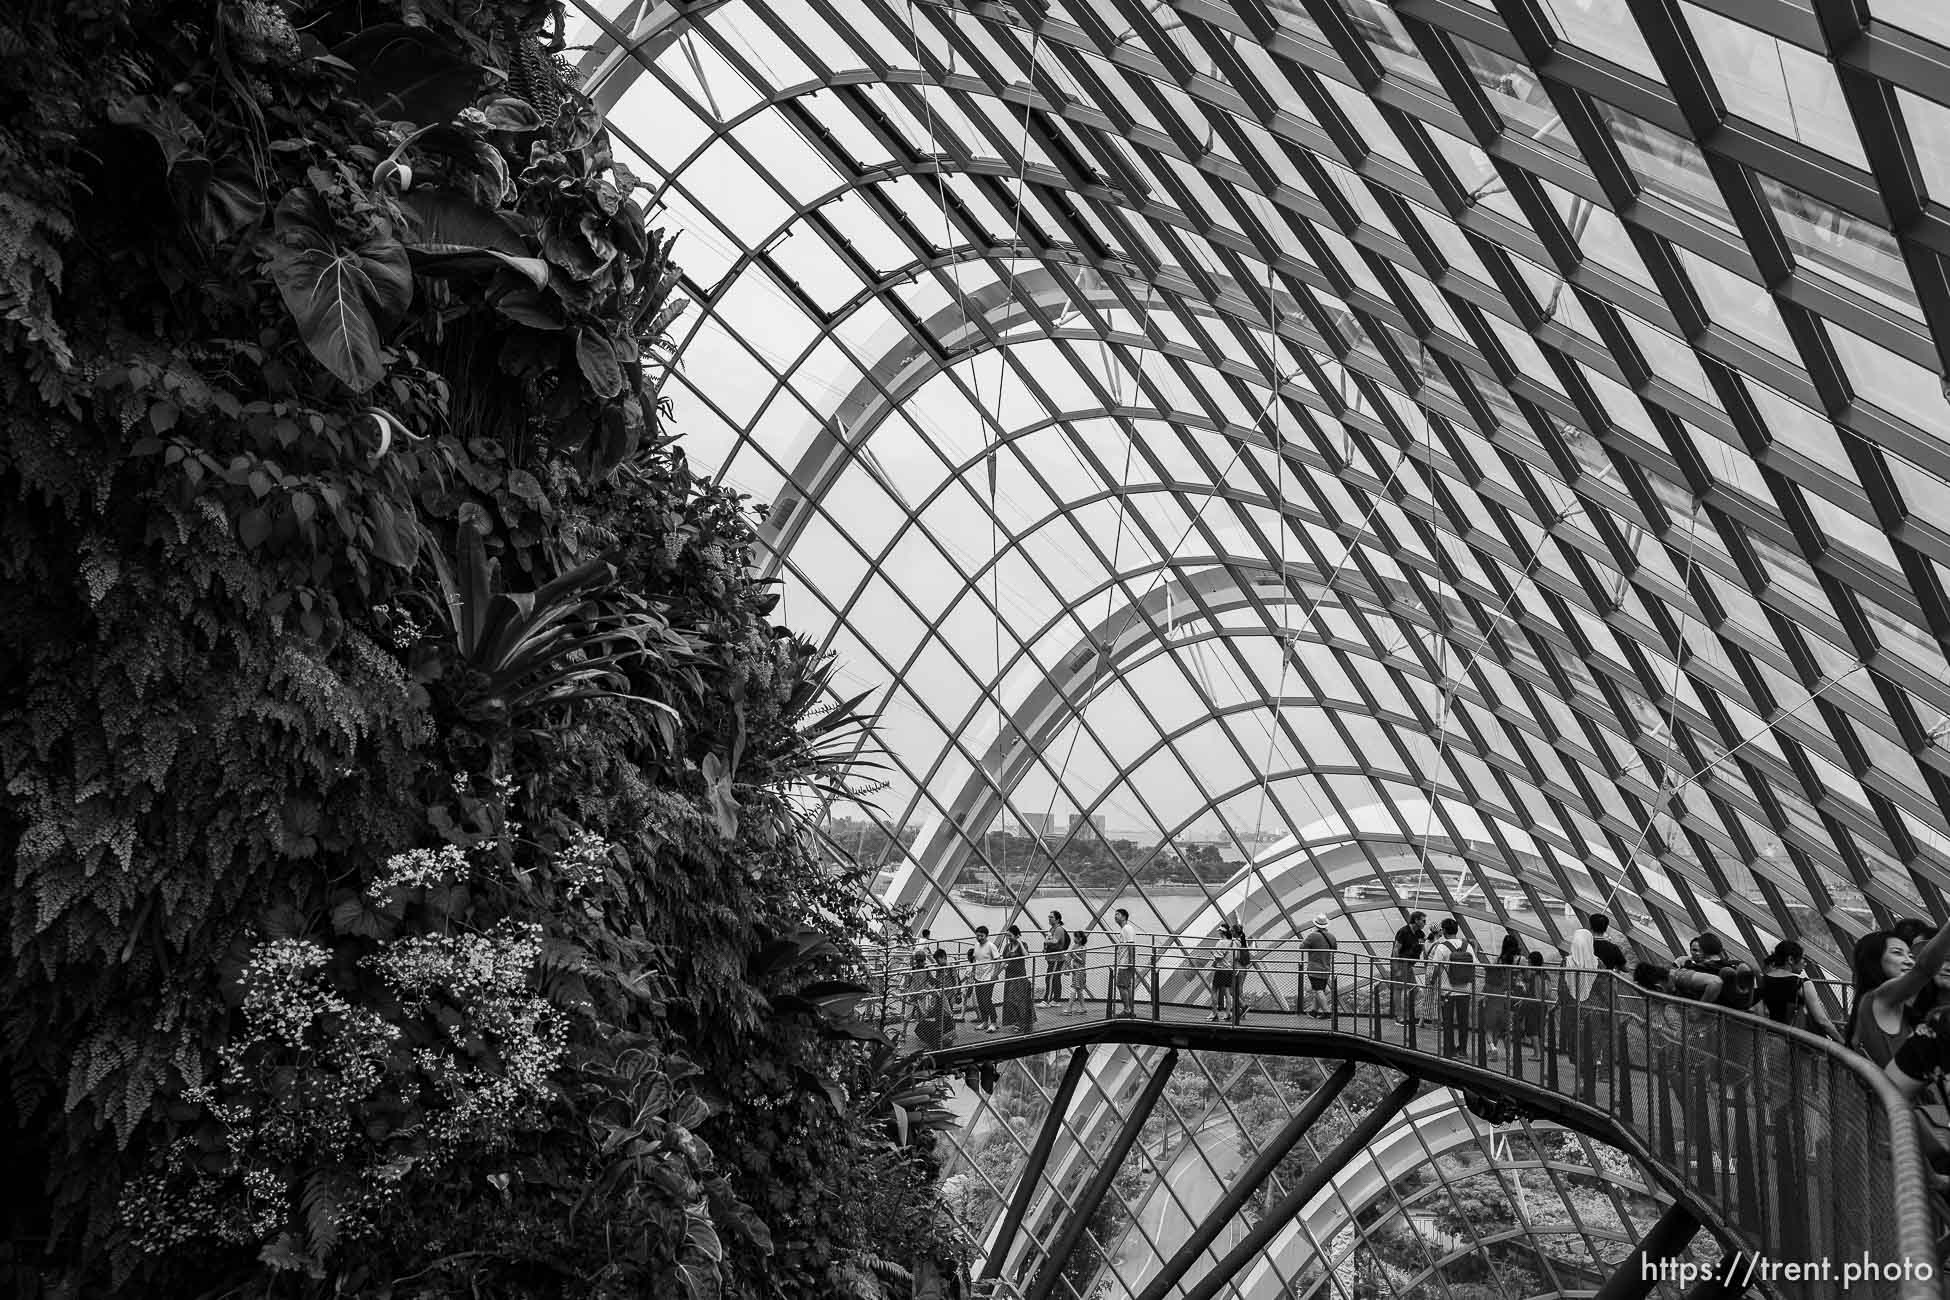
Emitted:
<point x="1794" y="1152"/>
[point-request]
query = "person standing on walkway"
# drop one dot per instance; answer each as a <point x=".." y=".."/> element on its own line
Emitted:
<point x="906" y="991"/>
<point x="1610" y="956"/>
<point x="1500" y="983"/>
<point x="948" y="980"/>
<point x="1786" y="993"/>
<point x="1018" y="990"/>
<point x="1124" y="962"/>
<point x="988" y="965"/>
<point x="1318" y="978"/>
<point x="1056" y="943"/>
<point x="1223" y="973"/>
<point x="1533" y="1009"/>
<point x="1079" y="972"/>
<point x="1580" y="976"/>
<point x="1409" y="943"/>
<point x="1890" y="981"/>
<point x="1456" y="981"/>
<point x="1240" y="952"/>
<point x="933" y="1026"/>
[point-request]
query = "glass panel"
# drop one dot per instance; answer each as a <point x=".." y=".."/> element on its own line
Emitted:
<point x="1517" y="94"/>
<point x="1668" y="165"/>
<point x="1604" y="27"/>
<point x="1778" y="85"/>
<point x="1924" y="17"/>
<point x="1927" y="124"/>
<point x="1737" y="304"/>
<point x="1891" y="382"/>
<point x="1828" y="240"/>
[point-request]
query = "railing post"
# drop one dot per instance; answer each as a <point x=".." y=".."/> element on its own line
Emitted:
<point x="1474" y="1006"/>
<point x="1612" y="1064"/>
<point x="1110" y="985"/>
<point x="1548" y="1009"/>
<point x="1157" y="1010"/>
<point x="1621" y="1098"/>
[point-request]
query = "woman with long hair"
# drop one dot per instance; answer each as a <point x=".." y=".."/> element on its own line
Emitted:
<point x="1532" y="1008"/>
<point x="1892" y="990"/>
<point x="1018" y="996"/>
<point x="933" y="1026"/>
<point x="1079" y="975"/>
<point x="1499" y="984"/>
<point x="1786" y="994"/>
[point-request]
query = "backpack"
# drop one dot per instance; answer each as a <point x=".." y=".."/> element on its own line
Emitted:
<point x="1695" y="984"/>
<point x="1736" y="989"/>
<point x="1460" y="969"/>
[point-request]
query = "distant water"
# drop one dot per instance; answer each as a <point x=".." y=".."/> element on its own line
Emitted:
<point x="958" y="917"/>
<point x="1373" y="929"/>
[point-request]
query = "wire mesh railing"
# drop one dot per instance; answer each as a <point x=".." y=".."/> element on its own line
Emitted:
<point x="1801" y="1149"/>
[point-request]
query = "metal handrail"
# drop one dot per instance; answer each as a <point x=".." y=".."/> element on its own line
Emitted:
<point x="1744" y="1113"/>
<point x="1840" y="992"/>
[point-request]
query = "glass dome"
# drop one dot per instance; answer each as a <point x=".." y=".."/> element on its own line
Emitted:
<point x="1335" y="456"/>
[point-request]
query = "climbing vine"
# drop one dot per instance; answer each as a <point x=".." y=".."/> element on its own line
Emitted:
<point x="403" y="786"/>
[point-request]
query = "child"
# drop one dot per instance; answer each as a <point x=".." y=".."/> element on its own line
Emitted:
<point x="1079" y="975"/>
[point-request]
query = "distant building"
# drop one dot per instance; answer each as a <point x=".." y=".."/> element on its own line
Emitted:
<point x="1098" y="821"/>
<point x="1037" y="824"/>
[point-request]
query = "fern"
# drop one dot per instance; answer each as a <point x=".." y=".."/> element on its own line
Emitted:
<point x="319" y="1206"/>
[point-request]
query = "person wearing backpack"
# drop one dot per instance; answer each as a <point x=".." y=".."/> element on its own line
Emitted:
<point x="1455" y="983"/>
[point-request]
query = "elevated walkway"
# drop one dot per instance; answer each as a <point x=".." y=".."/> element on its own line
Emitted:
<point x="1791" y="1150"/>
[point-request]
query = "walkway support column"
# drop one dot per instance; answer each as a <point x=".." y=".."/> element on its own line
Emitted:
<point x="1059" y="1107"/>
<point x="1309" y="1186"/>
<point x="1249" y="1181"/>
<point x="1099" y="1185"/>
<point x="1639" y="1273"/>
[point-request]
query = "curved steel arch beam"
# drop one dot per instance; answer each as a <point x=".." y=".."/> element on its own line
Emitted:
<point x="886" y="75"/>
<point x="828" y="453"/>
<point x="1051" y="723"/>
<point x="911" y="357"/>
<point x="950" y="835"/>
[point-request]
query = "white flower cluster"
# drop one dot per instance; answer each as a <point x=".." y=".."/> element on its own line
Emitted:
<point x="584" y="864"/>
<point x="402" y="629"/>
<point x="293" y="1091"/>
<point x="281" y="994"/>
<point x="289" y="1004"/>
<point x="470" y="967"/>
<point x="486" y="975"/>
<point x="162" y="1211"/>
<point x="420" y="867"/>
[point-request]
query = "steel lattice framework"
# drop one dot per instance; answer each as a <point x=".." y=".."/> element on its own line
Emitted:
<point x="1506" y="432"/>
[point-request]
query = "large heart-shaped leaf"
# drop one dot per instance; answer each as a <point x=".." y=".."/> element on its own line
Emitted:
<point x="535" y="308"/>
<point x="338" y="296"/>
<point x="453" y="235"/>
<point x="596" y="356"/>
